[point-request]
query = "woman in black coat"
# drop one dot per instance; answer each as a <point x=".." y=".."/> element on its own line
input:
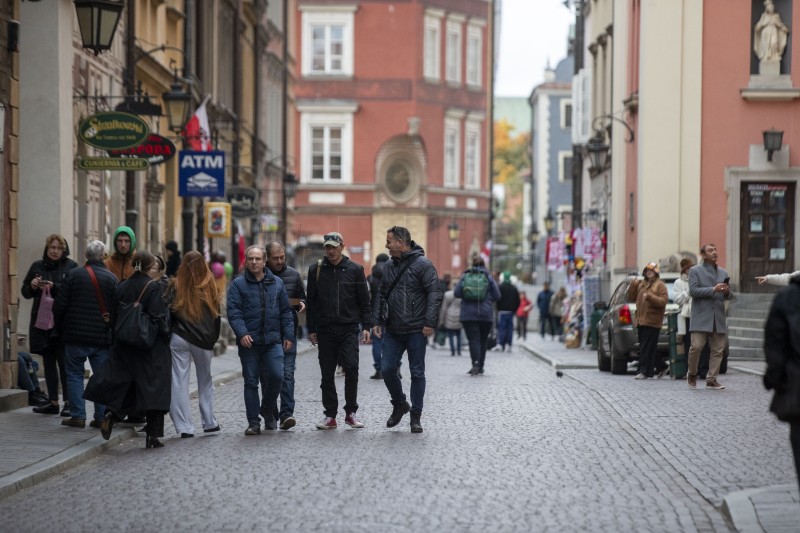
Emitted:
<point x="50" y="271"/>
<point x="136" y="381"/>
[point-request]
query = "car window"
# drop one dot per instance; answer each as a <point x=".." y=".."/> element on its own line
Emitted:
<point x="620" y="295"/>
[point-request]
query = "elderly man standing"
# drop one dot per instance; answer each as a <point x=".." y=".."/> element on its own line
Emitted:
<point x="338" y="317"/>
<point x="81" y="317"/>
<point x="405" y="315"/>
<point x="260" y="316"/>
<point x="709" y="288"/>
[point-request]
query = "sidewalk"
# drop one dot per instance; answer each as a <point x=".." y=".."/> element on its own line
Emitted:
<point x="36" y="447"/>
<point x="771" y="509"/>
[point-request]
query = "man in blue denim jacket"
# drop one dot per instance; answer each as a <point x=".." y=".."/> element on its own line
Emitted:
<point x="260" y="316"/>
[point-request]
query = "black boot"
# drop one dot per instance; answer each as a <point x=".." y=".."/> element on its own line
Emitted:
<point x="400" y="409"/>
<point x="153" y="442"/>
<point x="416" y="425"/>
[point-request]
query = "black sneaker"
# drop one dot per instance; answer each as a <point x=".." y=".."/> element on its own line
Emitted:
<point x="400" y="409"/>
<point x="65" y="410"/>
<point x="269" y="423"/>
<point x="416" y="426"/>
<point x="376" y="375"/>
<point x="49" y="409"/>
<point x="288" y="422"/>
<point x="253" y="430"/>
<point x="474" y="371"/>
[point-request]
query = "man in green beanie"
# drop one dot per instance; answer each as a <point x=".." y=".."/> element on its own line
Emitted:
<point x="120" y="263"/>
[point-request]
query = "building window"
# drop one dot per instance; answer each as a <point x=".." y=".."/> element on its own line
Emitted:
<point x="326" y="144"/>
<point x="453" y="65"/>
<point x="566" y="114"/>
<point x="472" y="155"/>
<point x="433" y="48"/>
<point x="564" y="165"/>
<point x="474" y="56"/>
<point x="327" y="47"/>
<point x="452" y="137"/>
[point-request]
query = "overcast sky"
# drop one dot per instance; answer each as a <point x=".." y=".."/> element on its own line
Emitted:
<point x="531" y="32"/>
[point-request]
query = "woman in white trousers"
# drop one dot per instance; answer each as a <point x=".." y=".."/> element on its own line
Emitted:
<point x="195" y="321"/>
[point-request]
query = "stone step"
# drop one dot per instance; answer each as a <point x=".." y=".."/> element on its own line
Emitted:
<point x="753" y="323"/>
<point x="735" y="353"/>
<point x="748" y="313"/>
<point x="735" y="332"/>
<point x="745" y="342"/>
<point x="11" y="399"/>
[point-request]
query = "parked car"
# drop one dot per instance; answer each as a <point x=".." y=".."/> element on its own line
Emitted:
<point x="617" y="338"/>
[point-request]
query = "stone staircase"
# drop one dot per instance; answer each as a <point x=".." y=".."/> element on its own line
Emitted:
<point x="746" y="318"/>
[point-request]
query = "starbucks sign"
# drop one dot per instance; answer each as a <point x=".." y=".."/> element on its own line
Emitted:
<point x="113" y="131"/>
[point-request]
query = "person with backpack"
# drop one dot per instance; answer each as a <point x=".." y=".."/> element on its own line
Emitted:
<point x="478" y="291"/>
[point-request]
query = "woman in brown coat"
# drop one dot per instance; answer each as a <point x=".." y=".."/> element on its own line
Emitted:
<point x="650" y="295"/>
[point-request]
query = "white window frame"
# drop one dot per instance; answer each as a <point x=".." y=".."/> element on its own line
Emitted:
<point x="472" y="149"/>
<point x="432" y="59"/>
<point x="316" y="116"/>
<point x="451" y="167"/>
<point x="453" y="52"/>
<point x="562" y="155"/>
<point x="328" y="16"/>
<point x="474" y="61"/>
<point x="564" y="103"/>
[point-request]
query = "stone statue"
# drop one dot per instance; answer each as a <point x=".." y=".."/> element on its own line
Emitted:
<point x="769" y="37"/>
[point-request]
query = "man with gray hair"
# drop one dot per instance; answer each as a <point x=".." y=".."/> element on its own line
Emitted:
<point x="82" y="321"/>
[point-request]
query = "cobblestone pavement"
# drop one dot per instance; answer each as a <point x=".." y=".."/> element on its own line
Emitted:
<point x="517" y="449"/>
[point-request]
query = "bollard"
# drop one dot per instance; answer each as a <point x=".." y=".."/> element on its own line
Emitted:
<point x="677" y="359"/>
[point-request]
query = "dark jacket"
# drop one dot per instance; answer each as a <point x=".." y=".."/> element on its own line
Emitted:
<point x="56" y="272"/>
<point x="260" y="309"/>
<point x="340" y="296"/>
<point x="77" y="311"/>
<point x="293" y="283"/>
<point x="782" y="349"/>
<point x="543" y="302"/>
<point x="374" y="280"/>
<point x="478" y="311"/>
<point x="414" y="302"/>
<point x="509" y="297"/>
<point x="203" y="333"/>
<point x="134" y="381"/>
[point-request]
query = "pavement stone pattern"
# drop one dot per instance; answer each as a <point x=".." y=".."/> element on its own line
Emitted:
<point x="517" y="449"/>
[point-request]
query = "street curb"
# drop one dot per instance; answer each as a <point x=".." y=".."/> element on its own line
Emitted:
<point x="553" y="362"/>
<point x="746" y="370"/>
<point x="739" y="509"/>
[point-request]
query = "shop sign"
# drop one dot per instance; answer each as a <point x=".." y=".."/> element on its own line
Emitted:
<point x="112" y="163"/>
<point x="113" y="130"/>
<point x="156" y="149"/>
<point x="243" y="200"/>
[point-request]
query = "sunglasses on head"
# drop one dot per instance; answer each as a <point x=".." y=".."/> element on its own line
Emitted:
<point x="330" y="237"/>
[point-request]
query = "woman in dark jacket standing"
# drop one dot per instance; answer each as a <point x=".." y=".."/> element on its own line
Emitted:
<point x="195" y="321"/>
<point x="135" y="381"/>
<point x="49" y="271"/>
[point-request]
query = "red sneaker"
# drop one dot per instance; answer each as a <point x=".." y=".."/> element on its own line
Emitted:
<point x="352" y="421"/>
<point x="328" y="422"/>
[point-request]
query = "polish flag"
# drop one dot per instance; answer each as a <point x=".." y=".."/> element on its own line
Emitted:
<point x="197" y="131"/>
<point x="486" y="252"/>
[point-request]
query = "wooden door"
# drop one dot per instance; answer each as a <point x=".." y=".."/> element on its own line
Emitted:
<point x="766" y="231"/>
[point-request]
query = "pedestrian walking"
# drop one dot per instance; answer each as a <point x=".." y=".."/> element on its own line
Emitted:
<point x="543" y="305"/>
<point x="195" y="321"/>
<point x="450" y="320"/>
<point x="374" y="280"/>
<point x="709" y="288"/>
<point x="260" y="316"/>
<point x="81" y="315"/>
<point x="405" y="315"/>
<point x="782" y="350"/>
<point x="556" y="310"/>
<point x="44" y="276"/>
<point x="293" y="283"/>
<point x="338" y="318"/>
<point x="120" y="263"/>
<point x="506" y="307"/>
<point x="650" y="295"/>
<point x="477" y="311"/>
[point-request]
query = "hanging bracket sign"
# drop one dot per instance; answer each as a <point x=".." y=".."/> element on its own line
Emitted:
<point x="113" y="130"/>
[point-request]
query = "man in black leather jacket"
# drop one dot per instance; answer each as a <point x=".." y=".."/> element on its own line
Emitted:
<point x="406" y="320"/>
<point x="338" y="316"/>
<point x="293" y="282"/>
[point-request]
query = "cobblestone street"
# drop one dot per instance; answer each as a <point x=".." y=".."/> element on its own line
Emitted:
<point x="517" y="449"/>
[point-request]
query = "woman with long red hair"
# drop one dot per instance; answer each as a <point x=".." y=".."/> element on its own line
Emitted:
<point x="194" y="302"/>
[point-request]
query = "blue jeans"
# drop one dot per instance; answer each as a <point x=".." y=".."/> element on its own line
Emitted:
<point x="74" y="361"/>
<point x="454" y="335"/>
<point x="505" y="328"/>
<point x="394" y="344"/>
<point x="377" y="350"/>
<point x="287" y="388"/>
<point x="265" y="364"/>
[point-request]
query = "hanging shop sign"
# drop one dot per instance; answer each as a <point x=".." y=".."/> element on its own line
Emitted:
<point x="113" y="130"/>
<point x="243" y="200"/>
<point x="156" y="149"/>
<point x="111" y="163"/>
<point x="201" y="173"/>
<point x="218" y="219"/>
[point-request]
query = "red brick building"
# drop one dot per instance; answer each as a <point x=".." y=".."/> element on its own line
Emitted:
<point x="391" y="103"/>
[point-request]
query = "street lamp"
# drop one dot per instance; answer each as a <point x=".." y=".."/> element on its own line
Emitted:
<point x="177" y="101"/>
<point x="453" y="230"/>
<point x="549" y="223"/>
<point x="598" y="153"/>
<point x="773" y="139"/>
<point x="97" y="20"/>
<point x="289" y="191"/>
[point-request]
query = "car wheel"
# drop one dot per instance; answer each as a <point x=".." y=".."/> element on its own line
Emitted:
<point x="619" y="361"/>
<point x="603" y="357"/>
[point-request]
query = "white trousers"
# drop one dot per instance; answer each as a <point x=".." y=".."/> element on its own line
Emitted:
<point x="180" y="410"/>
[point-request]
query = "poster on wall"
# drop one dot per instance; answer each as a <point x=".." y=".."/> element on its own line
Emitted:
<point x="218" y="219"/>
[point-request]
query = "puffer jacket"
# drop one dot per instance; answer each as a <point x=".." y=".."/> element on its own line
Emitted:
<point x="651" y="301"/>
<point x="77" y="311"/>
<point x="450" y="312"/>
<point x="293" y="283"/>
<point x="414" y="302"/>
<point x="782" y="350"/>
<point x="473" y="310"/>
<point x="338" y="296"/>
<point x="260" y="309"/>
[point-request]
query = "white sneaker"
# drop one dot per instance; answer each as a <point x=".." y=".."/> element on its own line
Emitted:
<point x="640" y="376"/>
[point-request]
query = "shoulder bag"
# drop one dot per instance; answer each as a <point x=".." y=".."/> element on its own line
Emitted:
<point x="385" y="306"/>
<point x="134" y="327"/>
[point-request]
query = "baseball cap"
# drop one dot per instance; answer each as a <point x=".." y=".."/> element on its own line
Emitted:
<point x="333" y="239"/>
<point x="652" y="265"/>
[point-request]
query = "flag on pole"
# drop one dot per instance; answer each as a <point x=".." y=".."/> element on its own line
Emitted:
<point x="486" y="252"/>
<point x="197" y="131"/>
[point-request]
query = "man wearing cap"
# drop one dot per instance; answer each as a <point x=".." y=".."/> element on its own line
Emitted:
<point x="338" y="317"/>
<point x="709" y="288"/>
<point x="651" y="300"/>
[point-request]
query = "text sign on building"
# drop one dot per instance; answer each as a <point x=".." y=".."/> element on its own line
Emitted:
<point x="156" y="149"/>
<point x="113" y="130"/>
<point x="201" y="173"/>
<point x="111" y="163"/>
<point x="243" y="200"/>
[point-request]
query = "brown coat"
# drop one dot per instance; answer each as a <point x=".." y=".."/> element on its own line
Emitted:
<point x="651" y="301"/>
<point x="120" y="265"/>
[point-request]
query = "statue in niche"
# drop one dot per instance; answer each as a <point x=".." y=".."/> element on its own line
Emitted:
<point x="769" y="37"/>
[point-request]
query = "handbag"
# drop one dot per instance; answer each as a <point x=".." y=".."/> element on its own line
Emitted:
<point x="44" y="318"/>
<point x="441" y="337"/>
<point x="491" y="341"/>
<point x="134" y="327"/>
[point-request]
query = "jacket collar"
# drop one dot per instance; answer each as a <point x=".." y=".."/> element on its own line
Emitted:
<point x="268" y="277"/>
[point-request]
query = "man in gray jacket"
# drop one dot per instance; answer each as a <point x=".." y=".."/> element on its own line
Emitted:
<point x="709" y="288"/>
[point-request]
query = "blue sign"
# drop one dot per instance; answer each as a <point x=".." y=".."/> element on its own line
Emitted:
<point x="201" y="173"/>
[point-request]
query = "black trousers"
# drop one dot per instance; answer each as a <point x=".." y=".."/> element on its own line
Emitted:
<point x="477" y="335"/>
<point x="794" y="438"/>
<point x="648" y="351"/>
<point x="155" y="423"/>
<point x="338" y="345"/>
<point x="54" y="371"/>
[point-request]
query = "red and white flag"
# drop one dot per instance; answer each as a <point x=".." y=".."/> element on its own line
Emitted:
<point x="197" y="131"/>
